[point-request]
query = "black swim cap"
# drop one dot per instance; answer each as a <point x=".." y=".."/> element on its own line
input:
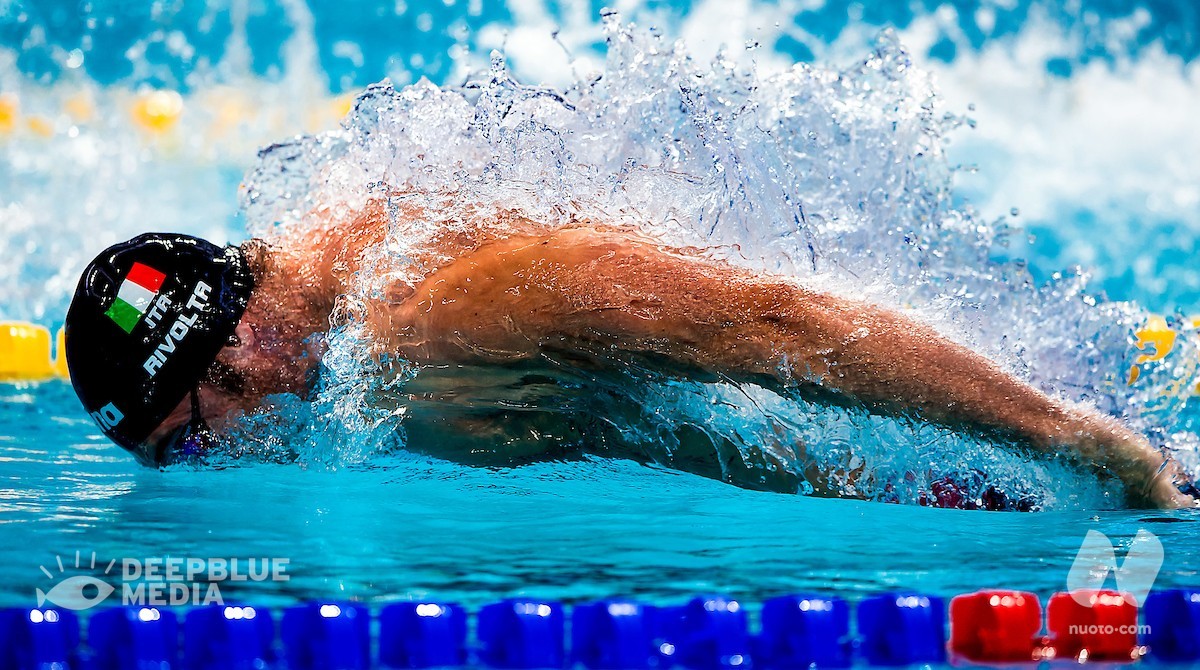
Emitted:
<point x="147" y="321"/>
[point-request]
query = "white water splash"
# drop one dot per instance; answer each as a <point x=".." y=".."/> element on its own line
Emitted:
<point x="838" y="177"/>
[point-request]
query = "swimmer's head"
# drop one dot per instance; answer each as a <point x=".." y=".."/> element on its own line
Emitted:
<point x="146" y="324"/>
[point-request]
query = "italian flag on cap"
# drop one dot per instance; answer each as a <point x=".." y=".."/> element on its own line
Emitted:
<point x="138" y="290"/>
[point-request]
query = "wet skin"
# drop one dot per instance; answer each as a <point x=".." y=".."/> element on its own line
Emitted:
<point x="502" y="301"/>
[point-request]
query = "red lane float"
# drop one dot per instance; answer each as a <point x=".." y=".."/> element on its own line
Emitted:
<point x="1103" y="629"/>
<point x="996" y="626"/>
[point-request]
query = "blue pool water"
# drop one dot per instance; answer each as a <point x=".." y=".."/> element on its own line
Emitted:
<point x="573" y="531"/>
<point x="1075" y="118"/>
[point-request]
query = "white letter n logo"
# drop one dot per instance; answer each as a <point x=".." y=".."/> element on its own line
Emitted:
<point x="1097" y="557"/>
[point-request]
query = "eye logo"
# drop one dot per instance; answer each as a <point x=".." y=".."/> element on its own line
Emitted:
<point x="79" y="592"/>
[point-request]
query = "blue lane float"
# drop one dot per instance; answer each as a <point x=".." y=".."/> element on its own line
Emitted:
<point x="422" y="635"/>
<point x="902" y="629"/>
<point x="708" y="632"/>
<point x="808" y="630"/>
<point x="803" y="630"/>
<point x="38" y="638"/>
<point x="233" y="637"/>
<point x="1172" y="620"/>
<point x="614" y="634"/>
<point x="322" y="636"/>
<point x="129" y="638"/>
<point x="521" y="634"/>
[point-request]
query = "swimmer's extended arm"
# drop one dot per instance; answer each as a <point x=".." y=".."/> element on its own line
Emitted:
<point x="582" y="286"/>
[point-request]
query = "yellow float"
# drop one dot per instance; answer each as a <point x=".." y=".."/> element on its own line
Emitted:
<point x="26" y="355"/>
<point x="10" y="111"/>
<point x="157" y="111"/>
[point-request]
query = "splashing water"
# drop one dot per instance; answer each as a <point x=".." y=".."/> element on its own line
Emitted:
<point x="836" y="177"/>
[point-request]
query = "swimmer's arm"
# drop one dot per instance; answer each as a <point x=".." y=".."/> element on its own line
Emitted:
<point x="904" y="367"/>
<point x="609" y="290"/>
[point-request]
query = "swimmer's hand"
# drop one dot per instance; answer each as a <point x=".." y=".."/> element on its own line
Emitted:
<point x="1152" y="477"/>
<point x="1172" y="489"/>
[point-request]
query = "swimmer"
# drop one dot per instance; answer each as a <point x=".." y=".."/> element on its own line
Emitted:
<point x="169" y="338"/>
